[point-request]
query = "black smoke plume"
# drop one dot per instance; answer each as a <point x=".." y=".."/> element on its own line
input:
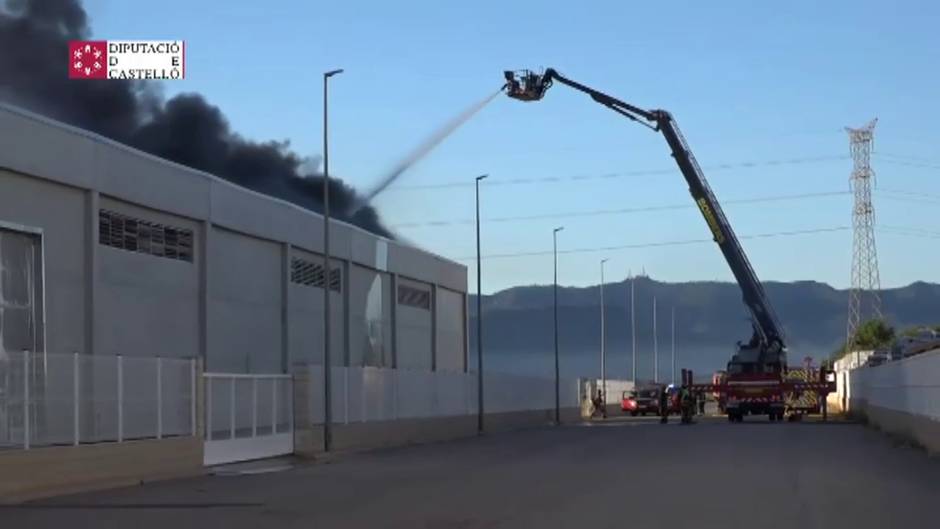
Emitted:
<point x="34" y="37"/>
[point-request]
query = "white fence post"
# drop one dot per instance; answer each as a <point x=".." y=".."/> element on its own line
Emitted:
<point x="290" y="404"/>
<point x="192" y="396"/>
<point x="395" y="393"/>
<point x="26" y="433"/>
<point x="159" y="398"/>
<point x="231" y="403"/>
<point x="75" y="396"/>
<point x="120" y="398"/>
<point x="254" y="407"/>
<point x="208" y="409"/>
<point x="273" y="406"/>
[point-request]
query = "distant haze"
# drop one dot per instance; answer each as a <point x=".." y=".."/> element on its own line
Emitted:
<point x="710" y="318"/>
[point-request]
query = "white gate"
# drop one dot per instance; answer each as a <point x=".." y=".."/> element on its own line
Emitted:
<point x="248" y="417"/>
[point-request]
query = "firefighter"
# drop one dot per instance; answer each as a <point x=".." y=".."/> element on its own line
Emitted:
<point x="687" y="404"/>
<point x="599" y="405"/>
<point x="664" y="405"/>
<point x="532" y="83"/>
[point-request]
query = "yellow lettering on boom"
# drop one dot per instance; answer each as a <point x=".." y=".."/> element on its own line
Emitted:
<point x="711" y="220"/>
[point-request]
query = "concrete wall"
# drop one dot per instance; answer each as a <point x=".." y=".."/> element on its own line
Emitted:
<point x="60" y="212"/>
<point x="414" y="332"/>
<point x="245" y="299"/>
<point x="67" y="469"/>
<point x="451" y="315"/>
<point x="305" y="317"/>
<point x="901" y="397"/>
<point x="146" y="306"/>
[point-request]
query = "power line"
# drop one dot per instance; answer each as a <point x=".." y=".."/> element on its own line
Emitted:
<point x="907" y="230"/>
<point x="909" y="163"/>
<point x="906" y="157"/>
<point x="908" y="234"/>
<point x="658" y="244"/>
<point x="618" y="211"/>
<point x="607" y="176"/>
<point x="911" y="200"/>
<point x="916" y="195"/>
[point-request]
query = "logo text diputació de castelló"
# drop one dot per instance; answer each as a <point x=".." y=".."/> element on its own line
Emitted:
<point x="127" y="59"/>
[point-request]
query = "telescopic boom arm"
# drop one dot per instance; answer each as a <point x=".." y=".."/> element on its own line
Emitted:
<point x="767" y="340"/>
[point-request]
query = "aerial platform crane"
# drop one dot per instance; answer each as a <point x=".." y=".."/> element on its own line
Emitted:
<point x="758" y="366"/>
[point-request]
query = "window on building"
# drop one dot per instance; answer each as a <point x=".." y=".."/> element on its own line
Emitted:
<point x="414" y="297"/>
<point x="309" y="273"/>
<point x="143" y="236"/>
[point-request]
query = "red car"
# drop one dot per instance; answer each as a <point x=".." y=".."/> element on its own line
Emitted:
<point x="647" y="401"/>
<point x="640" y="403"/>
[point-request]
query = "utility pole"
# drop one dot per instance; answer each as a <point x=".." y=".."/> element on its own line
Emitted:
<point x="866" y="281"/>
<point x="603" y="338"/>
<point x="327" y="274"/>
<point x="555" y="295"/>
<point x="479" y="318"/>
<point x="655" y="346"/>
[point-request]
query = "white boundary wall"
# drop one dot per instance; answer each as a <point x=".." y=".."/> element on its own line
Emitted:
<point x="911" y="386"/>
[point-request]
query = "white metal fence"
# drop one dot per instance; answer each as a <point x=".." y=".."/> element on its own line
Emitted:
<point x="367" y="394"/>
<point x="248" y="416"/>
<point x="60" y="399"/>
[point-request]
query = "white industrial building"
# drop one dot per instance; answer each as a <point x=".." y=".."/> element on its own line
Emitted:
<point x="155" y="319"/>
<point x="110" y="251"/>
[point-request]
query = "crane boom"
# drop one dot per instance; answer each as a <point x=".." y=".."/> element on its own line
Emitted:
<point x="766" y="346"/>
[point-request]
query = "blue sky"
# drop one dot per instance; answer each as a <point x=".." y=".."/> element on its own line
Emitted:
<point x="750" y="83"/>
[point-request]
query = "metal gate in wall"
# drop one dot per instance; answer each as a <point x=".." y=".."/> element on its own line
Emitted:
<point x="248" y="416"/>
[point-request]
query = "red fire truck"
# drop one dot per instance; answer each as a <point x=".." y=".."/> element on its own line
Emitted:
<point x="792" y="392"/>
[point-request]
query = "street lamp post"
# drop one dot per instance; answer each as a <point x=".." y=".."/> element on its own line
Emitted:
<point x="555" y="293"/>
<point x="633" y="327"/>
<point x="479" y="318"/>
<point x="673" y="345"/>
<point x="327" y="407"/>
<point x="655" y="346"/>
<point x="603" y="339"/>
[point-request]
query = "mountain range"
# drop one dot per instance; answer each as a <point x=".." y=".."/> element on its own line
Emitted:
<point x="709" y="318"/>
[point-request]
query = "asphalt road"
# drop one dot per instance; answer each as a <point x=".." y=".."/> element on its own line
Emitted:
<point x="620" y="473"/>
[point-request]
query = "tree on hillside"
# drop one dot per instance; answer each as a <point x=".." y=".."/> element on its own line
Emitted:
<point x="914" y="331"/>
<point x="873" y="334"/>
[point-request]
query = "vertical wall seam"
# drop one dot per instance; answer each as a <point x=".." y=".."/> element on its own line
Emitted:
<point x="204" y="290"/>
<point x="92" y="202"/>
<point x="285" y="307"/>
